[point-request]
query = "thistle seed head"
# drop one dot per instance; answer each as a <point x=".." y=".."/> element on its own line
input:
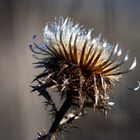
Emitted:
<point x="78" y="65"/>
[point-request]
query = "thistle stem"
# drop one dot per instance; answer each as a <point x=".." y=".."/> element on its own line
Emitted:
<point x="59" y="116"/>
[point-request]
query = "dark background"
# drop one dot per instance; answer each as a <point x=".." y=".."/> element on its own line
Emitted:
<point x="21" y="112"/>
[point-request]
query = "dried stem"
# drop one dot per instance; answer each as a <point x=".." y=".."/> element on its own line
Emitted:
<point x="58" y="117"/>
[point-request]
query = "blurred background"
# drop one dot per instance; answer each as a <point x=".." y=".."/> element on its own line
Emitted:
<point x="22" y="113"/>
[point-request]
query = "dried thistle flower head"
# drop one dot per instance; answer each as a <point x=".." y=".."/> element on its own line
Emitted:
<point x="83" y="69"/>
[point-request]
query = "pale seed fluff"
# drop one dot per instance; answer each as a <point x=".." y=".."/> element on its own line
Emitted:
<point x="79" y="65"/>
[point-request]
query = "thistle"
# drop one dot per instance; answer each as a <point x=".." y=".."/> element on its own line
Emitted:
<point x="83" y="69"/>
